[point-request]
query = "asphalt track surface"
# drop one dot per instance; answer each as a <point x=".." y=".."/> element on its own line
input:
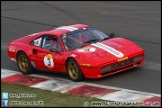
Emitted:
<point x="139" y="21"/>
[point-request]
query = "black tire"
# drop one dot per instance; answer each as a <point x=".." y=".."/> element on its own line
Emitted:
<point x="74" y="70"/>
<point x="24" y="64"/>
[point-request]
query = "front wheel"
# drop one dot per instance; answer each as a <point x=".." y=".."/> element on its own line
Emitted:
<point x="74" y="70"/>
<point x="24" y="64"/>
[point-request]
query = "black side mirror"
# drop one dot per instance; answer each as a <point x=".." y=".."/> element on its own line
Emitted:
<point x="112" y="35"/>
<point x="53" y="50"/>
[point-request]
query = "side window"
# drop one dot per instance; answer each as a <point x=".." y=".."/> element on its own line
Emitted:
<point x="36" y="42"/>
<point x="47" y="42"/>
<point x="59" y="49"/>
<point x="51" y="42"/>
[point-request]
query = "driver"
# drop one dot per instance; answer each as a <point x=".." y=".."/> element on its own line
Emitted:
<point x="78" y="38"/>
<point x="53" y="43"/>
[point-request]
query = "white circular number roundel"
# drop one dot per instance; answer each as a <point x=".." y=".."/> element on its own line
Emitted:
<point x="48" y="61"/>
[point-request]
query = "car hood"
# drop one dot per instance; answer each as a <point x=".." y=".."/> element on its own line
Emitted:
<point x="109" y="50"/>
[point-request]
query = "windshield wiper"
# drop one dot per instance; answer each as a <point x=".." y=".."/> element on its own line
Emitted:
<point x="90" y="41"/>
<point x="83" y="45"/>
<point x="105" y="38"/>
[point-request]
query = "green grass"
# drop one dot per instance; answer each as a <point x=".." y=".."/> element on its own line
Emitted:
<point x="50" y="99"/>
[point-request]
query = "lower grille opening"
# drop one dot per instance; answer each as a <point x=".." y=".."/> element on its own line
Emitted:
<point x="121" y="68"/>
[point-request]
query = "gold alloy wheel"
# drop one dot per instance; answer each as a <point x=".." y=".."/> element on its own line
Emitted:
<point x="23" y="63"/>
<point x="73" y="70"/>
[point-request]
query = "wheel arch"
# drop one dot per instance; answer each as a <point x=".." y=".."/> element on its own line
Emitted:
<point x="81" y="73"/>
<point x="68" y="60"/>
<point x="19" y="52"/>
<point x="30" y="68"/>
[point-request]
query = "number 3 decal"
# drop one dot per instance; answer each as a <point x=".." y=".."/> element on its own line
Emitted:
<point x="48" y="60"/>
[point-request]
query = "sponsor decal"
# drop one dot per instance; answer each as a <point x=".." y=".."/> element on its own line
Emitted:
<point x="48" y="60"/>
<point x="88" y="65"/>
<point x="109" y="49"/>
<point x="87" y="49"/>
<point x="12" y="48"/>
<point x="122" y="59"/>
<point x="67" y="28"/>
<point x="73" y="55"/>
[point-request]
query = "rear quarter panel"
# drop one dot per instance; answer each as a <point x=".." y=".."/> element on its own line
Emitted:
<point x="14" y="48"/>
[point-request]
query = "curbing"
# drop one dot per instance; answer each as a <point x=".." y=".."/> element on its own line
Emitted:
<point x="81" y="88"/>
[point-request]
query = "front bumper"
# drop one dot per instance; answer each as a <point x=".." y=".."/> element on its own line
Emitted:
<point x="95" y="72"/>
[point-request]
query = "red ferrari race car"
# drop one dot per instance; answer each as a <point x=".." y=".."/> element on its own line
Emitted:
<point x="79" y="49"/>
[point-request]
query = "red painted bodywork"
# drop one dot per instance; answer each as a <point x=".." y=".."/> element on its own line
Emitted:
<point x="95" y="60"/>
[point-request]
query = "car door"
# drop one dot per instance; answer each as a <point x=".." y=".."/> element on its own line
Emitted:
<point x="47" y="53"/>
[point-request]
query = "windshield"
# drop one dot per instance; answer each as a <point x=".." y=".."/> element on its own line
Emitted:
<point x="82" y="38"/>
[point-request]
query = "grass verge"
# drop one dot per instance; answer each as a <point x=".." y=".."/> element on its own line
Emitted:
<point x="49" y="98"/>
<point x="53" y="99"/>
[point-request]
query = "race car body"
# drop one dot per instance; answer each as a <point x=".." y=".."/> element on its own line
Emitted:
<point x="80" y="50"/>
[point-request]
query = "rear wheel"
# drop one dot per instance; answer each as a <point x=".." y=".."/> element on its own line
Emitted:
<point x="74" y="70"/>
<point x="24" y="64"/>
